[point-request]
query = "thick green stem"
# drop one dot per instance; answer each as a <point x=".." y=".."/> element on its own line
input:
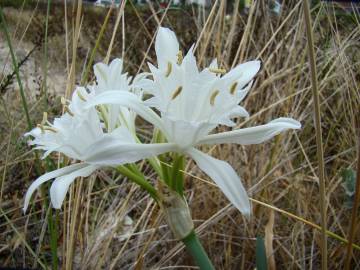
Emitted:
<point x="197" y="251"/>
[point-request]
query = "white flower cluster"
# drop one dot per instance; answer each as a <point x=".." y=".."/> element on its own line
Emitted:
<point x="98" y="128"/>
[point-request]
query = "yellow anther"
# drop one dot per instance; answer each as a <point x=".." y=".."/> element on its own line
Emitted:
<point x="50" y="129"/>
<point x="80" y="95"/>
<point x="213" y="96"/>
<point x="41" y="127"/>
<point x="168" y="71"/>
<point x="179" y="57"/>
<point x="67" y="109"/>
<point x="218" y="70"/>
<point x="233" y="88"/>
<point x="63" y="101"/>
<point x="177" y="92"/>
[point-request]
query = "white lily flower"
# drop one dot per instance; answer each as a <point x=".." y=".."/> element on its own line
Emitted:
<point x="192" y="103"/>
<point x="110" y="78"/>
<point x="81" y="137"/>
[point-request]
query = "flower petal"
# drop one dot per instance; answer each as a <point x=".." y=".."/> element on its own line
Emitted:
<point x="252" y="135"/>
<point x="131" y="101"/>
<point x="225" y="177"/>
<point x="61" y="184"/>
<point x="110" y="151"/>
<point x="166" y="47"/>
<point x="243" y="73"/>
<point x="47" y="177"/>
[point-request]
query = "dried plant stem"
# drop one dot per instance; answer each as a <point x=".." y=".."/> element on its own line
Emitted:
<point x="97" y="43"/>
<point x="45" y="92"/>
<point x="354" y="210"/>
<point x="320" y="151"/>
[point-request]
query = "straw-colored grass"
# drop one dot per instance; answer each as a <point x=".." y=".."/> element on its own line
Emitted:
<point x="109" y="223"/>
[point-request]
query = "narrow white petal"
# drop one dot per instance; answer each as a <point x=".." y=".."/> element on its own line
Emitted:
<point x="239" y="111"/>
<point x="61" y="184"/>
<point x="109" y="151"/>
<point x="131" y="101"/>
<point x="46" y="177"/>
<point x="166" y="47"/>
<point x="243" y="73"/>
<point x="252" y="135"/>
<point x="225" y="177"/>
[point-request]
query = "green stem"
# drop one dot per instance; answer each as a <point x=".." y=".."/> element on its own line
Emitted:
<point x="138" y="179"/>
<point x="197" y="251"/>
<point x="53" y="221"/>
<point x="16" y="68"/>
<point x="97" y="43"/>
<point x="177" y="178"/>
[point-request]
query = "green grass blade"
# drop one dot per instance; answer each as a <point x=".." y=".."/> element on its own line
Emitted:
<point x="261" y="261"/>
<point x="16" y="68"/>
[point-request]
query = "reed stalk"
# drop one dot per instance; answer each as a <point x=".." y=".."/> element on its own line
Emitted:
<point x="318" y="132"/>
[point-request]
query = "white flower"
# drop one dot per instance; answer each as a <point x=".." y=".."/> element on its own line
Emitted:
<point x="110" y="78"/>
<point x="192" y="103"/>
<point x="79" y="134"/>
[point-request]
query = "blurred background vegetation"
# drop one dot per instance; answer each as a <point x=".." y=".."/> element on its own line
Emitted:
<point x="112" y="225"/>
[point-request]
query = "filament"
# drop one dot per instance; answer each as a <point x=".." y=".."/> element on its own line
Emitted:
<point x="80" y="95"/>
<point x="67" y="109"/>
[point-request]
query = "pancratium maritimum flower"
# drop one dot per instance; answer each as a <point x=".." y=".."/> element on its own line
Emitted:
<point x="80" y="134"/>
<point x="110" y="78"/>
<point x="192" y="104"/>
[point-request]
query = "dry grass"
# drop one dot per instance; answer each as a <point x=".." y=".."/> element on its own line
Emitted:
<point x="97" y="232"/>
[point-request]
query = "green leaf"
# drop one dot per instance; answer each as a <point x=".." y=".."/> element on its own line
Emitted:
<point x="261" y="260"/>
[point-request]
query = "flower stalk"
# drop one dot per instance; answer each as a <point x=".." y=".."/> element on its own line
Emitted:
<point x="194" y="247"/>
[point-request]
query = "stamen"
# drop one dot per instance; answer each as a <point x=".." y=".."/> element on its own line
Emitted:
<point x="64" y="101"/>
<point x="80" y="96"/>
<point x="177" y="92"/>
<point x="50" y="129"/>
<point x="41" y="127"/>
<point x="218" y="70"/>
<point x="168" y="71"/>
<point x="179" y="57"/>
<point x="213" y="96"/>
<point x="233" y="88"/>
<point x="45" y="117"/>
<point x="67" y="109"/>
